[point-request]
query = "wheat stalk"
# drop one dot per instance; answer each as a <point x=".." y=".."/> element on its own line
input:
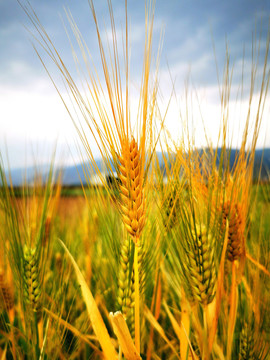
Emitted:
<point x="132" y="207"/>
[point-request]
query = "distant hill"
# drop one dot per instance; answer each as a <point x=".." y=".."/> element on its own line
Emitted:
<point x="265" y="171"/>
<point x="262" y="161"/>
<point x="71" y="175"/>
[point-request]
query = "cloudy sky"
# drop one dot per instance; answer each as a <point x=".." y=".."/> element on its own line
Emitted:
<point x="32" y="117"/>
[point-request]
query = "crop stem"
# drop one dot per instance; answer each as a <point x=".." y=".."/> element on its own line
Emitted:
<point x="205" y="335"/>
<point x="137" y="300"/>
<point x="233" y="309"/>
<point x="37" y="335"/>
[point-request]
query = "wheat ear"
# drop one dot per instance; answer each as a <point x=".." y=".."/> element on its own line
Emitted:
<point x="131" y="189"/>
<point x="6" y="292"/>
<point x="246" y="343"/>
<point x="133" y="210"/>
<point x="32" y="288"/>
<point x="236" y="233"/>
<point x="201" y="266"/>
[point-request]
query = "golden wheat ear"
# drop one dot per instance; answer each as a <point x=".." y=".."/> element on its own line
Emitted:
<point x="131" y="189"/>
<point x="7" y="296"/>
<point x="236" y="233"/>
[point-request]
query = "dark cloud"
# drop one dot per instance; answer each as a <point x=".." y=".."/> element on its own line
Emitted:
<point x="189" y="28"/>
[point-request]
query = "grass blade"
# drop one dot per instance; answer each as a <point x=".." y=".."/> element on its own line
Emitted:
<point x="93" y="311"/>
<point x="149" y="316"/>
<point x="123" y="335"/>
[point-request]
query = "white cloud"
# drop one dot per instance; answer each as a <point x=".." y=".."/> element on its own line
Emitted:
<point x="32" y="113"/>
<point x="32" y="120"/>
<point x="204" y="117"/>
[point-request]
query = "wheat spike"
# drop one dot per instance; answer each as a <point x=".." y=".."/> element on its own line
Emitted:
<point x="170" y="208"/>
<point x="236" y="233"/>
<point x="6" y="293"/>
<point x="201" y="266"/>
<point x="246" y="343"/>
<point x="32" y="289"/>
<point x="131" y="189"/>
<point x="132" y="206"/>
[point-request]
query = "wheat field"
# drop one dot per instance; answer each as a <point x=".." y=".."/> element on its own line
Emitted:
<point x="170" y="260"/>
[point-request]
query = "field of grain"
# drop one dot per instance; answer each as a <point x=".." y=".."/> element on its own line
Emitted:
<point x="170" y="259"/>
<point x="203" y="288"/>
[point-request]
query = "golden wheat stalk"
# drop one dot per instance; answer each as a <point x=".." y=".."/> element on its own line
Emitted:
<point x="132" y="207"/>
